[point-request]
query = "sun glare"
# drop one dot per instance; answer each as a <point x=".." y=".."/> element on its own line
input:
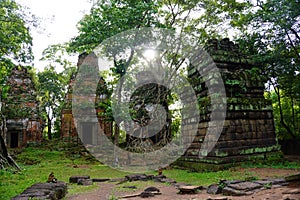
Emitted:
<point x="149" y="54"/>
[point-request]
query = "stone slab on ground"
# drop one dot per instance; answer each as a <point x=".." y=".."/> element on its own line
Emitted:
<point x="74" y="179"/>
<point x="99" y="180"/>
<point x="245" y="186"/>
<point x="137" y="177"/>
<point x="214" y="189"/>
<point x="52" y="191"/>
<point x="85" y="182"/>
<point x="295" y="177"/>
<point x="189" y="189"/>
<point x="233" y="192"/>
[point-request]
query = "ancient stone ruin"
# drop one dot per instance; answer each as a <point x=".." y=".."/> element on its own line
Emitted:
<point x="23" y="123"/>
<point x="248" y="130"/>
<point x="88" y="127"/>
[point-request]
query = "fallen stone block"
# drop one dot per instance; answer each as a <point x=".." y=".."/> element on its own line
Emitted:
<point x="84" y="182"/>
<point x="189" y="189"/>
<point x="293" y="191"/>
<point x="295" y="177"/>
<point x="245" y="186"/>
<point x="137" y="177"/>
<point x="217" y="198"/>
<point x="214" y="189"/>
<point x="99" y="180"/>
<point x="52" y="191"/>
<point x="74" y="179"/>
<point x="233" y="192"/>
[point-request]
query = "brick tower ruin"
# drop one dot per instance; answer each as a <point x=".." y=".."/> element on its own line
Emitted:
<point x="68" y="128"/>
<point x="248" y="130"/>
<point x="23" y="123"/>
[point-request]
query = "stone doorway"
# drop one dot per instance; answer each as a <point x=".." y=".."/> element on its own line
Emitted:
<point x="14" y="139"/>
<point x="87" y="132"/>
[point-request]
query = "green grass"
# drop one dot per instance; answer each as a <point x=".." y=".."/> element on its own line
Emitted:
<point x="38" y="162"/>
<point x="43" y="162"/>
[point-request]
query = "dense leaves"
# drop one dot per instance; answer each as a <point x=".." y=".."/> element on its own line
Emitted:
<point x="109" y="18"/>
<point x="270" y="35"/>
<point x="51" y="90"/>
<point x="15" y="38"/>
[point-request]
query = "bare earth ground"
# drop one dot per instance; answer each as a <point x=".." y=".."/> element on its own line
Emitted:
<point x="105" y="190"/>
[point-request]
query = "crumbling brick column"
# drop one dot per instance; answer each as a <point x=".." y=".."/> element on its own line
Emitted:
<point x="248" y="130"/>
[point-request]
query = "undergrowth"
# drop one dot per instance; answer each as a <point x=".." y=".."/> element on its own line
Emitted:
<point x="66" y="159"/>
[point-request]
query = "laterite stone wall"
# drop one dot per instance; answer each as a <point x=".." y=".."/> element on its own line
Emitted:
<point x="248" y="130"/>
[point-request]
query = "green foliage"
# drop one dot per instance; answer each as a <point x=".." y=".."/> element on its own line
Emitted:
<point x="108" y="18"/>
<point x="291" y="113"/>
<point x="51" y="92"/>
<point x="15" y="39"/>
<point x="269" y="35"/>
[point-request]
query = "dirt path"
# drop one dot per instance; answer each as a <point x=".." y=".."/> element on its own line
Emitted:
<point x="107" y="190"/>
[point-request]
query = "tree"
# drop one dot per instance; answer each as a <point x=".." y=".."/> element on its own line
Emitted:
<point x="51" y="93"/>
<point x="203" y="20"/>
<point x="108" y="19"/>
<point x="270" y="35"/>
<point x="15" y="45"/>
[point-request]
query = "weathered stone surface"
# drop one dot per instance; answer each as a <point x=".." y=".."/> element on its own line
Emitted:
<point x="189" y="189"/>
<point x="279" y="181"/>
<point x="264" y="182"/>
<point x="245" y="186"/>
<point x="53" y="191"/>
<point x="214" y="189"/>
<point x="233" y="192"/>
<point x="217" y="198"/>
<point x="130" y="187"/>
<point x="100" y="179"/>
<point x="120" y="180"/>
<point x="84" y="182"/>
<point x="293" y="191"/>
<point x="159" y="178"/>
<point x="146" y="194"/>
<point x="168" y="180"/>
<point x="152" y="189"/>
<point x="248" y="129"/>
<point x="74" y="179"/>
<point x="136" y="177"/>
<point x="295" y="177"/>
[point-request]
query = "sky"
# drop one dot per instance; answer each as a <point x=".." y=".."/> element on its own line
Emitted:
<point x="57" y="25"/>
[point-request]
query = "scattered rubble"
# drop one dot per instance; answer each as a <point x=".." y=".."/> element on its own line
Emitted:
<point x="53" y="191"/>
<point x="224" y="187"/>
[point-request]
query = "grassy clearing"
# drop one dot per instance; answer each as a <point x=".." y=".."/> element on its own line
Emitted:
<point x="38" y="162"/>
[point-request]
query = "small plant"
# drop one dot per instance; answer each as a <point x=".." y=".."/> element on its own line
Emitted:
<point x="268" y="185"/>
<point x="251" y="178"/>
<point x="113" y="197"/>
<point x="222" y="184"/>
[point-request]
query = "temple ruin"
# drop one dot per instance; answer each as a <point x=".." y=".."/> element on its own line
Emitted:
<point x="248" y="130"/>
<point x="88" y="127"/>
<point x="23" y="123"/>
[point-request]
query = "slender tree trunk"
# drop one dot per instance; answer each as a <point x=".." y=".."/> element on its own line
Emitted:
<point x="277" y="91"/>
<point x="293" y="113"/>
<point x="49" y="128"/>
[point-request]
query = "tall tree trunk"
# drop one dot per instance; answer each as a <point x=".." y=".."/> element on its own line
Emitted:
<point x="290" y="132"/>
<point x="293" y="112"/>
<point x="5" y="159"/>
<point x="49" y="128"/>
